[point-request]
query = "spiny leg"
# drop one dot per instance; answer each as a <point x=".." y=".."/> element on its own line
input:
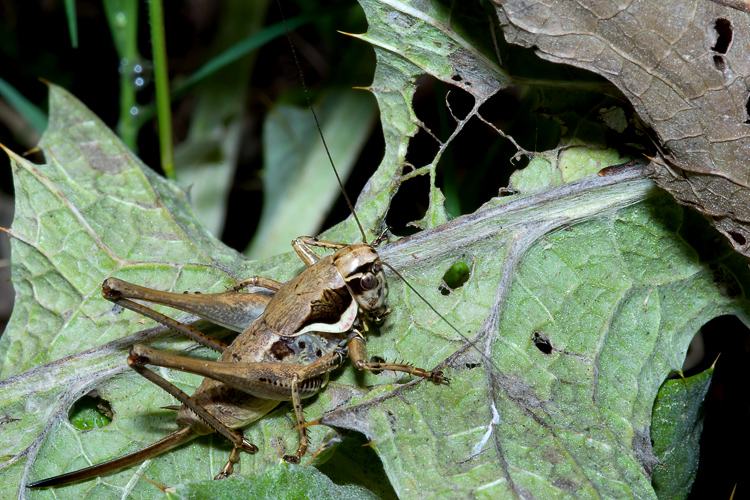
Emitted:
<point x="308" y="372"/>
<point x="275" y="381"/>
<point x="228" y="468"/>
<point x="358" y="353"/>
<point x="304" y="439"/>
<point x="233" y="435"/>
<point x="303" y="244"/>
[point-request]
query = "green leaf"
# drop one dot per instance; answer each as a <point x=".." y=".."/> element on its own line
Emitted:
<point x="582" y="298"/>
<point x="292" y="482"/>
<point x="92" y="211"/>
<point x="676" y="431"/>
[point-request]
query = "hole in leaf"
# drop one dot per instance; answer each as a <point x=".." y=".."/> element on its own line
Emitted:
<point x="737" y="237"/>
<point x="355" y="457"/>
<point x="695" y="355"/>
<point x="724" y="29"/>
<point x="376" y="359"/>
<point x="409" y="204"/>
<point x="89" y="412"/>
<point x="36" y="156"/>
<point x="747" y="108"/>
<point x="720" y="63"/>
<point x="456" y="78"/>
<point x="476" y="163"/>
<point x="454" y="278"/>
<point x="542" y="342"/>
<point x="725" y="406"/>
<point x="725" y="281"/>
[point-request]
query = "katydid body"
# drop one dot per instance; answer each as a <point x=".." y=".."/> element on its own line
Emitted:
<point x="284" y="355"/>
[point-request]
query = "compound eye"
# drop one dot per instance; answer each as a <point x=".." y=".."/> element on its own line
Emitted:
<point x="368" y="281"/>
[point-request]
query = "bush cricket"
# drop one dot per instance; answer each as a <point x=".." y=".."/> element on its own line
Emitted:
<point x="305" y="331"/>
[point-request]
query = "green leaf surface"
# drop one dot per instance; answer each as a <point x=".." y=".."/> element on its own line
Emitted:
<point x="581" y="299"/>
<point x="676" y="431"/>
<point x="293" y="482"/>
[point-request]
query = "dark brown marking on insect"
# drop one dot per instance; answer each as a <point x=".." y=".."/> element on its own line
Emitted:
<point x="281" y="349"/>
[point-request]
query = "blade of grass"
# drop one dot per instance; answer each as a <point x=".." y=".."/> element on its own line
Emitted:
<point x="161" y="82"/>
<point x="35" y="116"/>
<point x="70" y="13"/>
<point x="241" y="49"/>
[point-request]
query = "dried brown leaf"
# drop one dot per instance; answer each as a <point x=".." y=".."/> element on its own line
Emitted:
<point x="684" y="66"/>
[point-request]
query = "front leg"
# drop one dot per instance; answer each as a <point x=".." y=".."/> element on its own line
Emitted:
<point x="303" y="246"/>
<point x="358" y="353"/>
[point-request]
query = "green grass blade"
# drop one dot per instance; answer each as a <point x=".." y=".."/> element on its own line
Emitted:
<point x="238" y="50"/>
<point x="35" y="116"/>
<point x="70" y="13"/>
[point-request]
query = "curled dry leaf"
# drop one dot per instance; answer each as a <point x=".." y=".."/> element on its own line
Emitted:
<point x="684" y="68"/>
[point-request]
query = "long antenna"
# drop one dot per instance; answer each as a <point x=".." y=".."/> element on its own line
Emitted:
<point x="346" y="197"/>
<point x="317" y="123"/>
<point x="351" y="207"/>
<point x="467" y="339"/>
